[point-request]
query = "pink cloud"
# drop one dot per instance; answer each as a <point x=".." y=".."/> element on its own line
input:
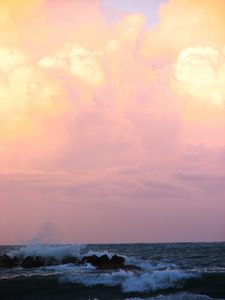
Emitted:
<point x="104" y="123"/>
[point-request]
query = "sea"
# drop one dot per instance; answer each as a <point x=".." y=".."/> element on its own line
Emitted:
<point x="179" y="271"/>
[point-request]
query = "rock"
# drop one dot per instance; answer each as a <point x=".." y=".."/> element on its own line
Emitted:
<point x="130" y="267"/>
<point x="39" y="262"/>
<point x="117" y="260"/>
<point x="97" y="261"/>
<point x="103" y="262"/>
<point x="100" y="262"/>
<point x="70" y="260"/>
<point x="51" y="261"/>
<point x="6" y="262"/>
<point x="28" y="262"/>
<point x="16" y="260"/>
<point x="90" y="260"/>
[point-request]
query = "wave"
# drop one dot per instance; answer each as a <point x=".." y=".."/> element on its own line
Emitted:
<point x="132" y="281"/>
<point x="56" y="251"/>
<point x="178" y="296"/>
<point x="79" y="250"/>
<point x="147" y="265"/>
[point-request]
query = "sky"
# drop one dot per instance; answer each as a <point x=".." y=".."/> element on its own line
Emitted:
<point x="112" y="121"/>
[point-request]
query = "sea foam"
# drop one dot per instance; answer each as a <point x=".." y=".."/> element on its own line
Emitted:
<point x="132" y="281"/>
<point x="177" y="296"/>
<point x="56" y="251"/>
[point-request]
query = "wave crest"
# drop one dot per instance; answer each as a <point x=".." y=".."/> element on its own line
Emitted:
<point x="131" y="281"/>
<point x="56" y="251"/>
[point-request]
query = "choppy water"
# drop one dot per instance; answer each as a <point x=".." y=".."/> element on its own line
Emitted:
<point x="194" y="271"/>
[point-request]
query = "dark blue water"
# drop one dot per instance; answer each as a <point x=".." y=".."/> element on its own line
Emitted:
<point x="166" y="271"/>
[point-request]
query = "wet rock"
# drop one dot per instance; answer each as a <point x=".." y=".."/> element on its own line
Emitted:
<point x="6" y="262"/>
<point x="90" y="260"/>
<point x="130" y="268"/>
<point x="117" y="260"/>
<point x="39" y="262"/>
<point x="103" y="262"/>
<point x="16" y="260"/>
<point x="70" y="260"/>
<point x="100" y="262"/>
<point x="96" y="260"/>
<point x="51" y="261"/>
<point x="28" y="262"/>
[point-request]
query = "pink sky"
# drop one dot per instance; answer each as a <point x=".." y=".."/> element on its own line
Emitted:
<point x="112" y="121"/>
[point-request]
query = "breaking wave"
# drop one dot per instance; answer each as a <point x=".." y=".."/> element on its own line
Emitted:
<point x="56" y="251"/>
<point x="169" y="274"/>
<point x="178" y="296"/>
<point x="132" y="281"/>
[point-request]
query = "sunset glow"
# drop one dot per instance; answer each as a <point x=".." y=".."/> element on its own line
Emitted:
<point x="112" y="120"/>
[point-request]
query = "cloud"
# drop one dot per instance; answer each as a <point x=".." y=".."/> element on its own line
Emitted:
<point x="79" y="62"/>
<point x="101" y="117"/>
<point x="178" y="22"/>
<point x="155" y="202"/>
<point x="24" y="92"/>
<point x="201" y="73"/>
<point x="10" y="58"/>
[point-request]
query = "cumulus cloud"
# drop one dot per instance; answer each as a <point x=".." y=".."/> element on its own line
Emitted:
<point x="186" y="24"/>
<point x="91" y="118"/>
<point x="24" y="91"/>
<point x="201" y="73"/>
<point x="79" y="61"/>
<point x="10" y="58"/>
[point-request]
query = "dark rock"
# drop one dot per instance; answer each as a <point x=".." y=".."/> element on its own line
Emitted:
<point x="90" y="260"/>
<point x="103" y="262"/>
<point x="28" y="262"/>
<point x="96" y="261"/>
<point x="117" y="260"/>
<point x="51" y="261"/>
<point x="39" y="262"/>
<point x="70" y="260"/>
<point x="6" y="262"/>
<point x="16" y="260"/>
<point x="130" y="267"/>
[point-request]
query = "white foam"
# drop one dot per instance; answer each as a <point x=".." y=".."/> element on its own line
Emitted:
<point x="92" y="279"/>
<point x="156" y="280"/>
<point x="132" y="281"/>
<point x="147" y="265"/>
<point x="177" y="296"/>
<point x="99" y="253"/>
<point x="69" y="267"/>
<point x="56" y="251"/>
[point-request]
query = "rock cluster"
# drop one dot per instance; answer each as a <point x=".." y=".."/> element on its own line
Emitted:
<point x="100" y="262"/>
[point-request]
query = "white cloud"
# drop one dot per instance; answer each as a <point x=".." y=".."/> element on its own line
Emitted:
<point x="79" y="61"/>
<point x="201" y="73"/>
<point x="9" y="59"/>
<point x="22" y="87"/>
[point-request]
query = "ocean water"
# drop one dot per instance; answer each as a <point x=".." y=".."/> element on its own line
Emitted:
<point x="179" y="271"/>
